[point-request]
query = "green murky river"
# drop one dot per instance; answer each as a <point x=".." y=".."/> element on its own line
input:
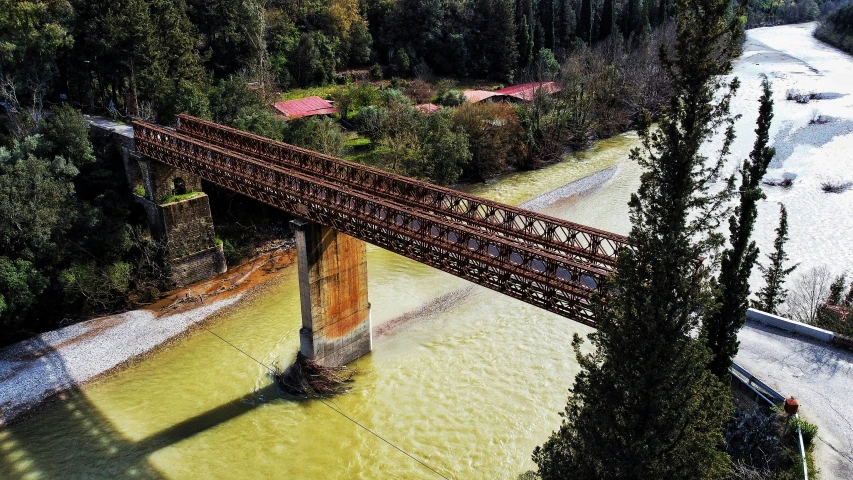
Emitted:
<point x="467" y="380"/>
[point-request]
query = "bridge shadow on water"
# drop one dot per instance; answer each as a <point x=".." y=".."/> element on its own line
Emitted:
<point x="69" y="437"/>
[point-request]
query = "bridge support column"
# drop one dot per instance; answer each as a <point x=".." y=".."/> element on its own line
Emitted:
<point x="333" y="295"/>
<point x="179" y="215"/>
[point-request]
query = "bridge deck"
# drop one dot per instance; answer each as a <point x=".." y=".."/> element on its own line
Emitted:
<point x="555" y="272"/>
<point x="585" y="244"/>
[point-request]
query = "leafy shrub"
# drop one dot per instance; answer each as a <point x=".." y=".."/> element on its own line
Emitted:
<point x="420" y="91"/>
<point x="801" y="97"/>
<point x="495" y="137"/>
<point x="319" y="134"/>
<point x="451" y="98"/>
<point x="376" y="72"/>
<point x="783" y="182"/>
<point x="20" y="286"/>
<point x="809" y="430"/>
<point x="834" y="186"/>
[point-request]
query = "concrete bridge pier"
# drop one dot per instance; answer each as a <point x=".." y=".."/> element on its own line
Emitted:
<point x="332" y="267"/>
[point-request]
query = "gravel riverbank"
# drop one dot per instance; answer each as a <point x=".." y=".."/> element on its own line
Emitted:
<point x="34" y="370"/>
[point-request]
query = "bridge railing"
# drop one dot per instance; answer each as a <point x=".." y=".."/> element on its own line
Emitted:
<point x="586" y="244"/>
<point x="539" y="277"/>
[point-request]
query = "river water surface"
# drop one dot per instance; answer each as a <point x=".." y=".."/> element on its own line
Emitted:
<point x="465" y="379"/>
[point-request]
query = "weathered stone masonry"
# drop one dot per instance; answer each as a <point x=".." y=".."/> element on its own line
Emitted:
<point x="186" y="225"/>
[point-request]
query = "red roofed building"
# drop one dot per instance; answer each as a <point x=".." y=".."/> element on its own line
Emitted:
<point x="305" y="107"/>
<point x="526" y="91"/>
<point x="427" y="108"/>
<point x="475" y="96"/>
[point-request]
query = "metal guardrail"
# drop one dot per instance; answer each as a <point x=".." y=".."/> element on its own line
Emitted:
<point x="764" y="391"/>
<point x="802" y="449"/>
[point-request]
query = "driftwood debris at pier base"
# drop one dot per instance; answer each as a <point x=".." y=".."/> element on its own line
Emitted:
<point x="307" y="378"/>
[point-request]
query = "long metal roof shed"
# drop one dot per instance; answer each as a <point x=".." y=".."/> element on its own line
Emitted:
<point x="427" y="108"/>
<point x="475" y="96"/>
<point x="305" y="107"/>
<point x="526" y="91"/>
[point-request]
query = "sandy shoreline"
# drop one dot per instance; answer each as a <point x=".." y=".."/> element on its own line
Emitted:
<point x="39" y="368"/>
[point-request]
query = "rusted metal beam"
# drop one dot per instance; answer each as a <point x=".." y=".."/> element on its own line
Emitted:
<point x="536" y="276"/>
<point x="585" y="244"/>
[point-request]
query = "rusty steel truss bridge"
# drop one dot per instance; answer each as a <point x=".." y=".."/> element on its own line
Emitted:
<point x="548" y="262"/>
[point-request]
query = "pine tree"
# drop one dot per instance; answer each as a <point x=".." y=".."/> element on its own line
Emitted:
<point x="722" y="326"/>
<point x="774" y="294"/>
<point x="644" y="404"/>
<point x="848" y="299"/>
<point x="233" y="31"/>
<point x="836" y="290"/>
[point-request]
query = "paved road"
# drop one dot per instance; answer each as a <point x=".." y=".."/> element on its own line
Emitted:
<point x="819" y="377"/>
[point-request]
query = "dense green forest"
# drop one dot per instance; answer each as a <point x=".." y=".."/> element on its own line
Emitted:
<point x="777" y="12"/>
<point x="837" y="30"/>
<point x="67" y="243"/>
<point x="157" y="57"/>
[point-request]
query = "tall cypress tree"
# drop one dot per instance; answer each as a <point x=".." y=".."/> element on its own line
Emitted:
<point x="585" y="21"/>
<point x="721" y="328"/>
<point x="644" y="404"/>
<point x="774" y="293"/>
<point x="546" y="18"/>
<point x="647" y="14"/>
<point x="628" y="14"/>
<point x="662" y="12"/>
<point x="565" y="26"/>
<point x="501" y="45"/>
<point x="525" y="43"/>
<point x="607" y="20"/>
<point x="478" y="38"/>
